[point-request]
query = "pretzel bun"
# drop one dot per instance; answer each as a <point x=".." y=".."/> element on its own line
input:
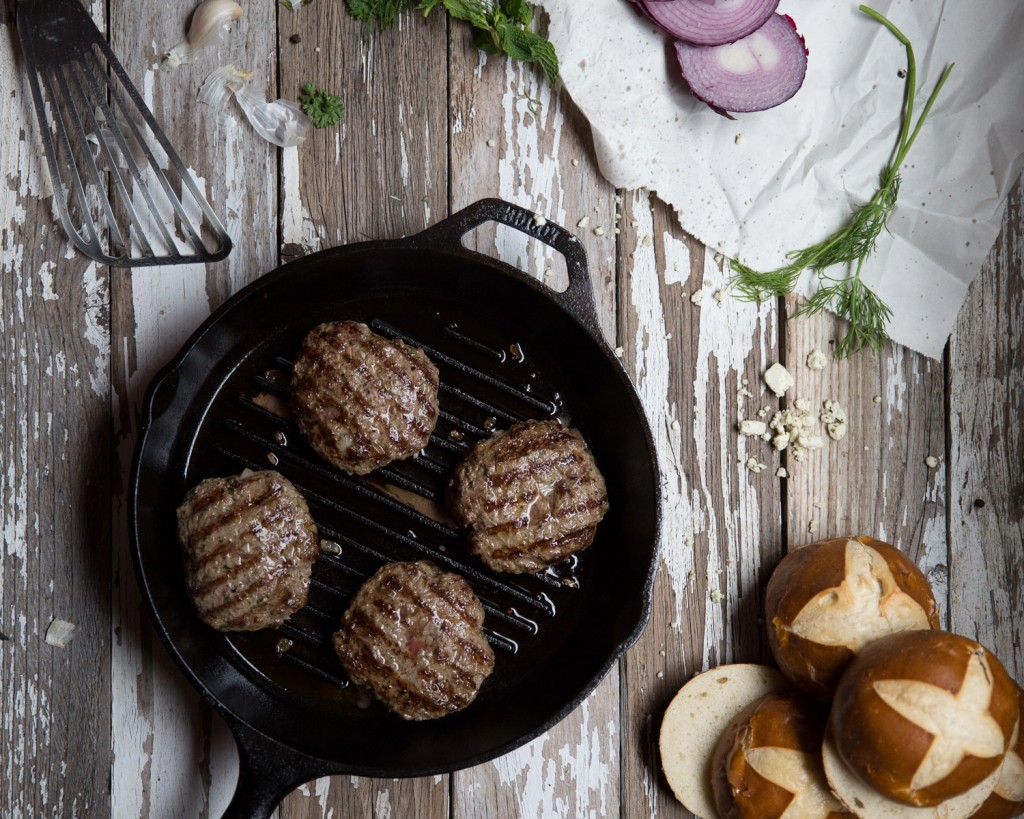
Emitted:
<point x="767" y="763"/>
<point x="924" y="716"/>
<point x="694" y="721"/>
<point x="826" y="601"/>
<point x="1007" y="797"/>
<point x="867" y="803"/>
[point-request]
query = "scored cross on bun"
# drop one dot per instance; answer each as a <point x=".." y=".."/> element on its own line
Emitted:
<point x="1007" y="798"/>
<point x="767" y="762"/>
<point x="825" y="602"/>
<point x="924" y="716"/>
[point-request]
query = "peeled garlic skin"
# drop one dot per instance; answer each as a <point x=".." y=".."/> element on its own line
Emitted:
<point x="208" y="20"/>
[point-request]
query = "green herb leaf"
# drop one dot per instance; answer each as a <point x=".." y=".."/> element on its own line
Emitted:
<point x="524" y="45"/>
<point x="484" y="40"/>
<point x="518" y="11"/>
<point x="378" y="13"/>
<point x="472" y="11"/>
<point x="501" y="25"/>
<point x="323" y="108"/>
<point x="853" y="243"/>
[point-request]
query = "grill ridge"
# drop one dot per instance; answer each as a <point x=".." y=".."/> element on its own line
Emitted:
<point x="260" y="434"/>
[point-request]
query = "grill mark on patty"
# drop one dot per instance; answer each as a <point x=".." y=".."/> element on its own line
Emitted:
<point x="532" y="467"/>
<point x="556" y="544"/>
<point x="233" y="513"/>
<point x="231" y="575"/>
<point x="378" y="378"/>
<point x="370" y="636"/>
<point x="409" y="634"/>
<point x="367" y="657"/>
<point x="519" y="443"/>
<point x="237" y="502"/>
<point x="402" y="594"/>
<point x="569" y="485"/>
<point x="574" y="503"/>
<point x="248" y="550"/>
<point x="531" y="496"/>
<point x="238" y="609"/>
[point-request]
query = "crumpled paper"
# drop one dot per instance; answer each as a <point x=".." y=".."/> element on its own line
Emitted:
<point x="783" y="179"/>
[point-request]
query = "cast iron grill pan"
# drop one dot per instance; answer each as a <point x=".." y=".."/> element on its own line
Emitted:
<point x="507" y="349"/>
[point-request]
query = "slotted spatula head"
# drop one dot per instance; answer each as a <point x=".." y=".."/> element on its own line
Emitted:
<point x="123" y="195"/>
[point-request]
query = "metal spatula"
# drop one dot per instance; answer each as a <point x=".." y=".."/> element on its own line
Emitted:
<point x="123" y="195"/>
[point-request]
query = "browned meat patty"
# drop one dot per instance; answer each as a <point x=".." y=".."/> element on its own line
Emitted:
<point x="414" y="635"/>
<point x="531" y="495"/>
<point x="249" y="546"/>
<point x="361" y="400"/>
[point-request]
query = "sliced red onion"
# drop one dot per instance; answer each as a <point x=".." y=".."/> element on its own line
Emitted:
<point x="760" y="71"/>
<point x="708" y="22"/>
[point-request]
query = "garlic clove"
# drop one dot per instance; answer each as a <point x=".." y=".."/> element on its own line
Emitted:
<point x="209" y="19"/>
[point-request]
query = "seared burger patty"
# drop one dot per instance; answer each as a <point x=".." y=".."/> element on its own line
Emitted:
<point x="249" y="546"/>
<point x="531" y="495"/>
<point x="361" y="400"/>
<point x="414" y="635"/>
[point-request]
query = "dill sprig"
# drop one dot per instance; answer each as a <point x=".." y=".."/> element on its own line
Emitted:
<point x="848" y="296"/>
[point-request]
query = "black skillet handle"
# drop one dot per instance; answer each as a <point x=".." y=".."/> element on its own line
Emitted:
<point x="267" y="773"/>
<point x="577" y="298"/>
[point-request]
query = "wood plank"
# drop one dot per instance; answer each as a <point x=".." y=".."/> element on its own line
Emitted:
<point x="986" y="450"/>
<point x="54" y="436"/>
<point x="172" y="756"/>
<point x="722" y="523"/>
<point x="875" y="480"/>
<point x="381" y="175"/>
<point x="540" y="159"/>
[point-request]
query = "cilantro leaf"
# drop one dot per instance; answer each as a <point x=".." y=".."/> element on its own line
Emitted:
<point x="323" y="108"/>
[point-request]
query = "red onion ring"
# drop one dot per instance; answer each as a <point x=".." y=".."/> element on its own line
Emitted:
<point x="758" y="72"/>
<point x="708" y="22"/>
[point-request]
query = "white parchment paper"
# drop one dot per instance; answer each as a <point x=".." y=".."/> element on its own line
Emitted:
<point x="783" y="179"/>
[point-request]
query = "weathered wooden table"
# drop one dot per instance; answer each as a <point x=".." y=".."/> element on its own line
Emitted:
<point x="109" y="726"/>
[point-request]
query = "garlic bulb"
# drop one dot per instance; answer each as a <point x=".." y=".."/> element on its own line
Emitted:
<point x="209" y="19"/>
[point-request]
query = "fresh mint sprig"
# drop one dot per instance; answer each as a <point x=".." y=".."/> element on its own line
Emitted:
<point x="502" y="26"/>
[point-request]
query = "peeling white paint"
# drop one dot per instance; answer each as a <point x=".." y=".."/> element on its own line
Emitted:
<point x="682" y="514"/>
<point x="528" y="176"/>
<point x="97" y="330"/>
<point x="677" y="259"/>
<point x="382" y="804"/>
<point x="46" y="280"/>
<point x="297" y="227"/>
<point x="154" y="716"/>
<point x="728" y="337"/>
<point x="322" y="787"/>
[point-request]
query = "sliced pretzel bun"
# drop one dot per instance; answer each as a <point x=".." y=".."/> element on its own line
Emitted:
<point x="696" y="718"/>
<point x="1007" y="797"/>
<point x="826" y="601"/>
<point x="767" y="763"/>
<point x="867" y="803"/>
<point x="924" y="716"/>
